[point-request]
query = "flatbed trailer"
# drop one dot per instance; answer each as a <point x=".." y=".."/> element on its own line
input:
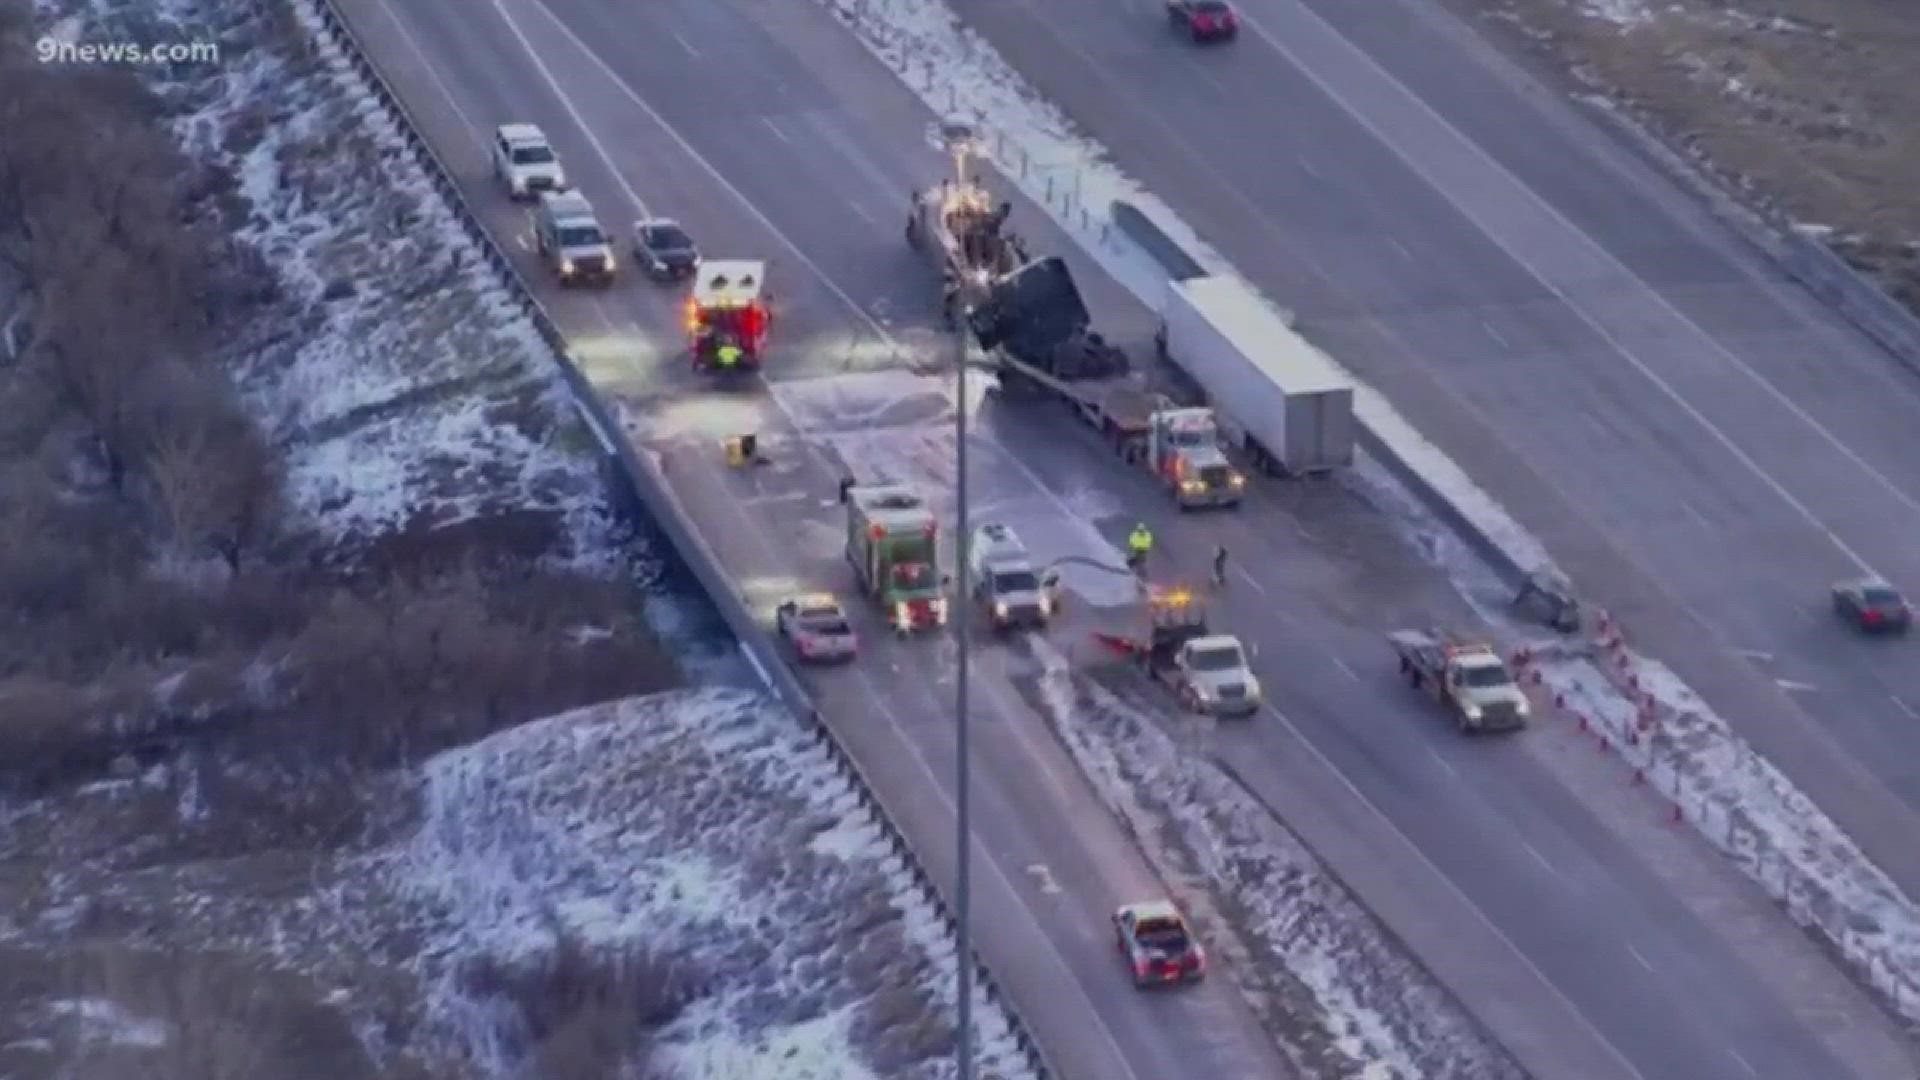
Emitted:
<point x="1119" y="407"/>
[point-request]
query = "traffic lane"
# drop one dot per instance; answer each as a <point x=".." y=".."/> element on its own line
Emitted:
<point x="1077" y="870"/>
<point x="876" y="698"/>
<point x="1540" y="866"/>
<point x="1099" y="950"/>
<point x="1436" y="259"/>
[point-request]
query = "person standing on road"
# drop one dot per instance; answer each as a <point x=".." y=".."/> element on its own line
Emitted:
<point x="1139" y="545"/>
<point x="1220" y="566"/>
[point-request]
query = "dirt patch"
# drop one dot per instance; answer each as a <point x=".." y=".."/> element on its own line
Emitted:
<point x="1805" y="110"/>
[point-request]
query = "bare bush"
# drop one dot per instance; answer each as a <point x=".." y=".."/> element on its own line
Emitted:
<point x="215" y="480"/>
<point x="581" y="1009"/>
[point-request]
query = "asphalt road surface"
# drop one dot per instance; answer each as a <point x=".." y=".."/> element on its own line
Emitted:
<point x="1704" y="445"/>
<point x="1539" y="886"/>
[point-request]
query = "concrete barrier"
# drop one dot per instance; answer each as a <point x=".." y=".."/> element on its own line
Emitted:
<point x="637" y="476"/>
<point x="1858" y="299"/>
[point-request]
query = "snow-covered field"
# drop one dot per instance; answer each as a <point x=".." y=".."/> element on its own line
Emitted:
<point x="701" y="834"/>
<point x="1325" y="977"/>
<point x="701" y="838"/>
<point x="1039" y="149"/>
<point x="403" y="384"/>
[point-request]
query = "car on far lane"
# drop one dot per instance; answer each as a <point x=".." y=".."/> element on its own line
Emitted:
<point x="664" y="250"/>
<point x="1204" y="20"/>
<point x="817" y="628"/>
<point x="1872" y="606"/>
<point x="1158" y="947"/>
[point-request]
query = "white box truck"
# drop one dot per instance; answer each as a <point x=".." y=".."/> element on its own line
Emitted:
<point x="1278" y="398"/>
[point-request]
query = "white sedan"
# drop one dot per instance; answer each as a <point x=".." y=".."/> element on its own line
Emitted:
<point x="817" y="628"/>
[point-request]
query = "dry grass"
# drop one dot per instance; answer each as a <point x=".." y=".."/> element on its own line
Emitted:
<point x="161" y="601"/>
<point x="1805" y="108"/>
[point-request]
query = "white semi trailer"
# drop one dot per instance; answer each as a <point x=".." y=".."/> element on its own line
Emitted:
<point x="1278" y="398"/>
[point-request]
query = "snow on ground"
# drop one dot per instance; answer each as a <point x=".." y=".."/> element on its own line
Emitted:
<point x="1036" y="147"/>
<point x="707" y="825"/>
<point x="703" y="830"/>
<point x="1735" y="798"/>
<point x="1743" y="805"/>
<point x="1341" y="997"/>
<point x="400" y="377"/>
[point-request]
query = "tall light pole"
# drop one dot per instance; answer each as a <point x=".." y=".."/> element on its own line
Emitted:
<point x="959" y="144"/>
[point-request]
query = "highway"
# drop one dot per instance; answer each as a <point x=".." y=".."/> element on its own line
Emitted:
<point x="1533" y="883"/>
<point x="1701" y="443"/>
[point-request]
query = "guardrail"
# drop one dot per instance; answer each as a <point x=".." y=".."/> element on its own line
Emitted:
<point x="643" y="480"/>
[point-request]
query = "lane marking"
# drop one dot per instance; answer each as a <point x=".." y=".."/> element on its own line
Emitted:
<point x="679" y="140"/>
<point x="1442" y="762"/>
<point x="1401" y="248"/>
<point x="1592" y="323"/>
<point x="1493" y="332"/>
<point x="1252" y="582"/>
<point x="1644" y="962"/>
<point x="1755" y="655"/>
<point x="1744" y="1063"/>
<point x="1539" y="858"/>
<point x="1791" y="686"/>
<point x="775" y="128"/>
<point x="1448" y="884"/>
<point x="1307" y="167"/>
<point x="520" y="241"/>
<point x="1906" y="708"/>
<point x="860" y="210"/>
<point x="685" y="44"/>
<point x="474" y="131"/>
<point x="1342" y="665"/>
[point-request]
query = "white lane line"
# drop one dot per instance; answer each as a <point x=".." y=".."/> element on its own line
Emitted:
<point x="775" y="128"/>
<point x="1420" y="857"/>
<point x="1755" y="655"/>
<point x="1307" y="167"/>
<point x="474" y="130"/>
<point x="679" y="140"/>
<point x="1744" y="1063"/>
<point x="1906" y="708"/>
<point x="860" y="210"/>
<point x="1644" y="962"/>
<point x="1342" y="665"/>
<point x="520" y="241"/>
<point x="1252" y="582"/>
<point x="1791" y="686"/>
<point x="1401" y="248"/>
<point x="1606" y="256"/>
<point x="1539" y="858"/>
<point x="1493" y="332"/>
<point x="1442" y="762"/>
<point x="685" y="44"/>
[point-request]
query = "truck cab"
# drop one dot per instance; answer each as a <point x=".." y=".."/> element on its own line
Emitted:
<point x="1001" y="578"/>
<point x="1183" y="449"/>
<point x="1469" y="679"/>
<point x="1212" y="676"/>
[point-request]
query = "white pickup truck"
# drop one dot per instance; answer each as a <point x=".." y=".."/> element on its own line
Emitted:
<point x="1468" y="678"/>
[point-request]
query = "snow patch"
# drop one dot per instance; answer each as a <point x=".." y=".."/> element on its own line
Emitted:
<point x="1626" y="14"/>
<point x="1324" y="977"/>
<point x="99" y="1020"/>
<point x="1741" y="803"/>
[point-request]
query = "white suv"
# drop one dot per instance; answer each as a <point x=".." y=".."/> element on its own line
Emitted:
<point x="524" y="161"/>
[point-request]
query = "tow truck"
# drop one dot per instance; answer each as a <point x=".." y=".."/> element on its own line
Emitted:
<point x="892" y="545"/>
<point x="727" y="316"/>
<point x="960" y="230"/>
<point x="1207" y="671"/>
<point x="1468" y="678"/>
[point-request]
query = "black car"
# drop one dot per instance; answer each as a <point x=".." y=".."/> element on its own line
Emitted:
<point x="1873" y="606"/>
<point x="664" y="250"/>
<point x="1203" y="20"/>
